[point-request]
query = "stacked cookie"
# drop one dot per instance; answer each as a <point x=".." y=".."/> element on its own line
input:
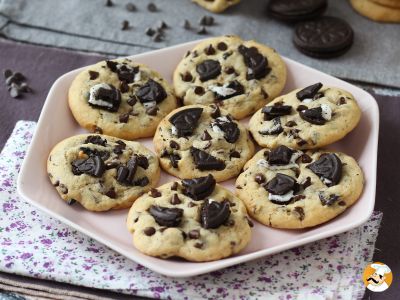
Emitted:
<point x="220" y="81"/>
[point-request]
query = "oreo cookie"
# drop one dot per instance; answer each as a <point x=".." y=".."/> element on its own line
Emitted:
<point x="325" y="37"/>
<point x="296" y="10"/>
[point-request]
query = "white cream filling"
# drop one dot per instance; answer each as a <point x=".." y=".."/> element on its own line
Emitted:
<point x="274" y="127"/>
<point x="138" y="76"/>
<point x="220" y="120"/>
<point x="149" y="104"/>
<point x="281" y="198"/>
<point x="292" y="163"/>
<point x="174" y="131"/>
<point x="326" y="112"/>
<point x="307" y="100"/>
<point x="326" y="180"/>
<point x="92" y="95"/>
<point x="222" y="90"/>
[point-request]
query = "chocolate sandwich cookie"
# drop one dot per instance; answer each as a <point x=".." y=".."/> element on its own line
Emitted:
<point x="306" y="118"/>
<point x="196" y="140"/>
<point x="239" y="76"/>
<point x="101" y="172"/>
<point x="216" y="6"/>
<point x="287" y="188"/>
<point x="188" y="219"/>
<point x="296" y="10"/>
<point x="120" y="98"/>
<point x="324" y="37"/>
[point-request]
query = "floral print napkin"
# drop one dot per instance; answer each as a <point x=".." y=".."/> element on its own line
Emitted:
<point x="36" y="245"/>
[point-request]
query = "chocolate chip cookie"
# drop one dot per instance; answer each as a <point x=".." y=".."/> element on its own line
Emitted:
<point x="378" y="12"/>
<point x="101" y="172"/>
<point x="216" y="6"/>
<point x="195" y="219"/>
<point x="120" y="98"/>
<point x="240" y="76"/>
<point x="287" y="188"/>
<point x="306" y="118"/>
<point x="196" y="140"/>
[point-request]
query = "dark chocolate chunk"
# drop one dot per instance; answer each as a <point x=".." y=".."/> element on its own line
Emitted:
<point x="174" y="158"/>
<point x="230" y="70"/>
<point x="158" y="37"/>
<point x="214" y="214"/>
<point x="151" y="7"/>
<point x="187" y="77"/>
<point x="202" y="30"/>
<point x="152" y="110"/>
<point x="151" y="91"/>
<point x="94" y="152"/>
<point x="95" y="139"/>
<point x="111" y="193"/>
<point x="150" y="31"/>
<point x="110" y="95"/>
<point x="123" y="87"/>
<point x="281" y="155"/>
<point x="186" y="25"/>
<point x="306" y="183"/>
<point x="175" y="186"/>
<point x="328" y="200"/>
<point x="250" y="222"/>
<point x="208" y="69"/>
<point x="199" y="90"/>
<point x="149" y="231"/>
<point x="341" y="101"/>
<point x="198" y="245"/>
<point x="205" y="161"/>
<point x="93" y="75"/>
<point x="295" y="10"/>
<point x="194" y="234"/>
<point x="199" y="188"/>
<point x="230" y="129"/>
<point x="222" y="46"/>
<point x="209" y="50"/>
<point x="234" y="154"/>
<point x="276" y="128"/>
<point x="125" y="25"/>
<point x="301" y="142"/>
<point x="234" y="85"/>
<point x="280" y="184"/>
<point x="305" y="159"/>
<point x="259" y="178"/>
<point x="216" y="112"/>
<point x="174" y="145"/>
<point x="155" y="193"/>
<point x="112" y="65"/>
<point x="301" y="108"/>
<point x="290" y="123"/>
<point x="206" y="136"/>
<point x="300" y="211"/>
<point x="111" y="165"/>
<point x="175" y="199"/>
<point x="130" y="7"/>
<point x="273" y="111"/>
<point x="71" y="202"/>
<point x="185" y="121"/>
<point x="109" y="3"/>
<point x="206" y="21"/>
<point x="132" y="101"/>
<point x="93" y="166"/>
<point x="126" y="174"/>
<point x="255" y="61"/>
<point x="329" y="167"/>
<point x="161" y="25"/>
<point x="313" y="116"/>
<point x="142" y="182"/>
<point x="309" y="92"/>
<point x="164" y="216"/>
<point x="124" y="118"/>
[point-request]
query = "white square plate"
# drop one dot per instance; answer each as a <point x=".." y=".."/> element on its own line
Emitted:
<point x="56" y="123"/>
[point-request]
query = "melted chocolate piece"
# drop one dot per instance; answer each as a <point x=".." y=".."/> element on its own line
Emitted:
<point x="214" y="214"/>
<point x="208" y="69"/>
<point x="281" y="184"/>
<point x="110" y="95"/>
<point x="230" y="129"/>
<point x="185" y="121"/>
<point x="95" y="139"/>
<point x="125" y="174"/>
<point x="328" y="200"/>
<point x="313" y="116"/>
<point x="151" y="91"/>
<point x="309" y="92"/>
<point x="273" y="111"/>
<point x="170" y="217"/>
<point x="280" y="156"/>
<point x="199" y="188"/>
<point x="94" y="152"/>
<point x="255" y="61"/>
<point x="93" y="166"/>
<point x="205" y="161"/>
<point x="328" y="166"/>
<point x="235" y="85"/>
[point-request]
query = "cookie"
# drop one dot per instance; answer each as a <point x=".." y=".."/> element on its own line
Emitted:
<point x="295" y="10"/>
<point x="195" y="219"/>
<point x="286" y="188"/>
<point x="376" y="12"/>
<point x="306" y="118"/>
<point x="390" y="3"/>
<point x="101" y="172"/>
<point x="195" y="140"/>
<point x="240" y="76"/>
<point x="216" y="6"/>
<point x="120" y="98"/>
<point x="325" y="37"/>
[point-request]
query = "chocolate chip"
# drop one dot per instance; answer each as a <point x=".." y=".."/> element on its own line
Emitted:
<point x="111" y="193"/>
<point x="216" y="112"/>
<point x="313" y="116"/>
<point x="185" y="121"/>
<point x="328" y="167"/>
<point x="328" y="200"/>
<point x="142" y="182"/>
<point x="341" y="101"/>
<point x="93" y="75"/>
<point x="206" y="136"/>
<point x="229" y="128"/>
<point x="109" y="3"/>
<point x="209" y="50"/>
<point x="198" y="90"/>
<point x="95" y="139"/>
<point x="199" y="188"/>
<point x="132" y="101"/>
<point x="174" y="145"/>
<point x="111" y="165"/>
<point x="63" y="188"/>
<point x="280" y="184"/>
<point x="290" y="123"/>
<point x="305" y="159"/>
<point x="151" y="7"/>
<point x="97" y="129"/>
<point x="130" y="7"/>
<point x="142" y="161"/>
<point x="93" y="166"/>
<point x="300" y="212"/>
<point x="149" y="231"/>
<point x="94" y="152"/>
<point x="125" y="25"/>
<point x="174" y="158"/>
<point x="259" y="178"/>
<point x="123" y="87"/>
<point x="342" y="203"/>
<point x="301" y="142"/>
<point x="71" y="201"/>
<point x="124" y="118"/>
<point x="150" y="31"/>
<point x="158" y="37"/>
<point x="222" y="46"/>
<point x="187" y="77"/>
<point x="152" y="111"/>
<point x="162" y="25"/>
<point x="175" y="199"/>
<point x="208" y="69"/>
<point x="271" y="112"/>
<point x="214" y="214"/>
<point x="301" y="108"/>
<point x="255" y="61"/>
<point x="306" y="183"/>
<point x="206" y="21"/>
<point x="57" y="183"/>
<point x="155" y="193"/>
<point x="151" y="91"/>
<point x="194" y="234"/>
<point x="234" y="154"/>
<point x="205" y="161"/>
<point x="186" y="25"/>
<point x="229" y="70"/>
<point x="174" y="186"/>
<point x="112" y="65"/>
<point x="309" y="92"/>
<point x="198" y="245"/>
<point x="170" y="217"/>
<point x="125" y="174"/>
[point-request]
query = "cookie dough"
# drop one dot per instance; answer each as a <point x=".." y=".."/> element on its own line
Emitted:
<point x="306" y="118"/>
<point x="101" y="172"/>
<point x="240" y="76"/>
<point x="196" y="219"/>
<point x="216" y="6"/>
<point x="120" y="98"/>
<point x="286" y="188"/>
<point x="195" y="140"/>
<point x="376" y="12"/>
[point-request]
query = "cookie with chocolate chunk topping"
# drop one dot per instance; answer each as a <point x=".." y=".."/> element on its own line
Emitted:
<point x="188" y="219"/>
<point x="239" y="76"/>
<point x="101" y="172"/>
<point x="196" y="140"/>
<point x="123" y="98"/>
